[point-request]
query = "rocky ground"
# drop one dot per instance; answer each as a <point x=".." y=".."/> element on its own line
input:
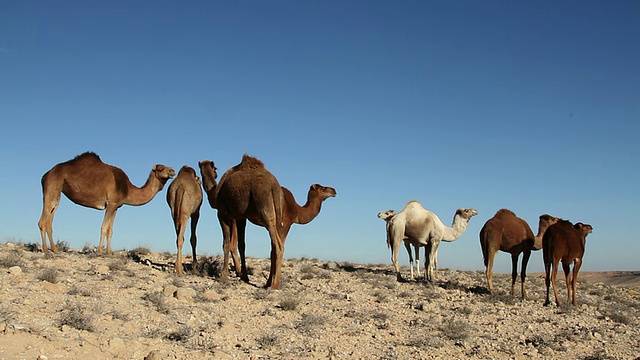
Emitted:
<point x="131" y="305"/>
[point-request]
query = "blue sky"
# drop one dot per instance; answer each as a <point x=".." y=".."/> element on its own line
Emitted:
<point x="531" y="106"/>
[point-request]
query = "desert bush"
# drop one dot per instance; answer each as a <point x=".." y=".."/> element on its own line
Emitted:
<point x="182" y="334"/>
<point x="119" y="264"/>
<point x="13" y="258"/>
<point x="211" y="267"/>
<point x="62" y="246"/>
<point x="137" y="252"/>
<point x="309" y="322"/>
<point x="75" y="290"/>
<point x="76" y="318"/>
<point x="381" y="297"/>
<point x="268" y="340"/>
<point x="7" y="315"/>
<point x="49" y="274"/>
<point x="119" y="315"/>
<point x="158" y="300"/>
<point x="309" y="271"/>
<point x="289" y="302"/>
<point x="455" y="329"/>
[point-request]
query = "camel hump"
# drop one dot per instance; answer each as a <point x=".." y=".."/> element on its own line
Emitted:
<point x="505" y="212"/>
<point x="89" y="155"/>
<point x="187" y="169"/>
<point x="249" y="162"/>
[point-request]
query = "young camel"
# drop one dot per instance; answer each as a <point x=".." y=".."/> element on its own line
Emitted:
<point x="87" y="181"/>
<point x="386" y="216"/>
<point x="184" y="197"/>
<point x="248" y="191"/>
<point x="421" y="227"/>
<point x="509" y="233"/>
<point x="564" y="242"/>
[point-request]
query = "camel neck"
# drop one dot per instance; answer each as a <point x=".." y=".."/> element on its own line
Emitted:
<point x="456" y="230"/>
<point x="137" y="196"/>
<point x="537" y="244"/>
<point x="310" y="210"/>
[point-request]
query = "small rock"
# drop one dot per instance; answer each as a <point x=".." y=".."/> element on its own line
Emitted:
<point x="185" y="294"/>
<point x="101" y="270"/>
<point x="211" y="295"/>
<point x="152" y="356"/>
<point x="54" y="288"/>
<point x="117" y="346"/>
<point x="169" y="290"/>
<point x="15" y="270"/>
<point x="43" y="357"/>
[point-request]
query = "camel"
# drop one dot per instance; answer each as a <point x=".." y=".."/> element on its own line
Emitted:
<point x="421" y="227"/>
<point x="386" y="216"/>
<point x="87" y="181"/>
<point x="509" y="233"/>
<point x="248" y="191"/>
<point x="564" y="242"/>
<point x="184" y="197"/>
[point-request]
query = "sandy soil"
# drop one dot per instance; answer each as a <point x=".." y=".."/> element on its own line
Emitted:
<point x="76" y="305"/>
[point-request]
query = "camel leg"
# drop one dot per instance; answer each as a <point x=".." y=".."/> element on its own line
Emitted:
<point x="194" y="240"/>
<point x="488" y="271"/>
<point x="180" y="225"/>
<point x="567" y="279"/>
<point x="277" y="252"/>
<point x="523" y="272"/>
<point x="417" y="251"/>
<point x="430" y="261"/>
<point x="46" y="223"/>
<point x="514" y="272"/>
<point x="408" y="247"/>
<point x="574" y="280"/>
<point x="241" y="245"/>
<point x="226" y="242"/>
<point x="395" y="248"/>
<point x="554" y="282"/>
<point x="107" y="229"/>
<point x="547" y="280"/>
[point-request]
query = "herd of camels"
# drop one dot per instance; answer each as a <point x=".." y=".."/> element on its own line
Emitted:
<point x="248" y="191"/>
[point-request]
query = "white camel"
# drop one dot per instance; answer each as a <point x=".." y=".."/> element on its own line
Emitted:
<point x="421" y="227"/>
<point x="386" y="216"/>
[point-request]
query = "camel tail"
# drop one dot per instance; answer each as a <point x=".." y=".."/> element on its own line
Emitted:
<point x="485" y="234"/>
<point x="177" y="208"/>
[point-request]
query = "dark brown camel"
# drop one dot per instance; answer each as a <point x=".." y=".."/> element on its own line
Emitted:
<point x="249" y="191"/>
<point x="184" y="197"/>
<point x="509" y="233"/>
<point x="89" y="182"/>
<point x="564" y="242"/>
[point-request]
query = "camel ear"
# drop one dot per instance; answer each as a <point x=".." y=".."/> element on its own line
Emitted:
<point x="158" y="167"/>
<point x="316" y="186"/>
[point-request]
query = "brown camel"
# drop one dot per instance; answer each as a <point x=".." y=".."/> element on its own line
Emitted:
<point x="509" y="233"/>
<point x="250" y="191"/>
<point x="89" y="182"/>
<point x="564" y="242"/>
<point x="184" y="197"/>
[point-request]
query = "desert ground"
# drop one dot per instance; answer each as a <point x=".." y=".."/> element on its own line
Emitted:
<point x="131" y="305"/>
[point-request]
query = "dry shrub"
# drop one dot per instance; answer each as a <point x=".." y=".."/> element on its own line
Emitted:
<point x="76" y="318"/>
<point x="268" y="340"/>
<point x="49" y="275"/>
<point x="289" y="302"/>
<point x="455" y="329"/>
<point x="183" y="334"/>
<point x="159" y="301"/>
<point x="14" y="258"/>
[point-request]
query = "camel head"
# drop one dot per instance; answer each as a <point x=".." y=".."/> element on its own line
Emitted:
<point x="546" y="220"/>
<point x="209" y="174"/>
<point x="586" y="229"/>
<point x="324" y="192"/>
<point x="387" y="215"/>
<point x="163" y="173"/>
<point x="467" y="214"/>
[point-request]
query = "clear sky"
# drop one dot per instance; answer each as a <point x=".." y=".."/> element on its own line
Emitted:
<point x="531" y="106"/>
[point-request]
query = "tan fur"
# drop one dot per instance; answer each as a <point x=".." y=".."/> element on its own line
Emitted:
<point x="509" y="233"/>
<point x="421" y="227"/>
<point x="87" y="181"/>
<point x="248" y="191"/>
<point x="184" y="197"/>
<point x="564" y="242"/>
